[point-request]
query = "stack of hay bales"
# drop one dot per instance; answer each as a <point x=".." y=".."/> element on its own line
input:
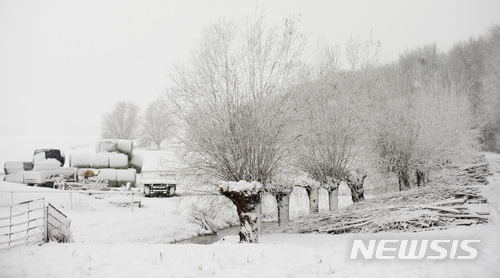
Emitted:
<point x="114" y="161"/>
<point x="14" y="170"/>
<point x="46" y="164"/>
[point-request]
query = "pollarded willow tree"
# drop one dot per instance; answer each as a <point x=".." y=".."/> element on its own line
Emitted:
<point x="326" y="147"/>
<point x="419" y="130"/>
<point x="232" y="98"/>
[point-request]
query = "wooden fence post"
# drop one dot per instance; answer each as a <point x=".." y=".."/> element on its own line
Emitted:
<point x="132" y="203"/>
<point x="71" y="199"/>
<point x="10" y="225"/>
<point x="46" y="222"/>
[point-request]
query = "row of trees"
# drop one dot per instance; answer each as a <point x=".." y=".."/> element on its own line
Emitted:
<point x="251" y="107"/>
<point x="152" y="128"/>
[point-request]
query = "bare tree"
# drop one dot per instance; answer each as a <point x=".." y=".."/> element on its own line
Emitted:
<point x="326" y="61"/>
<point x="420" y="67"/>
<point x="327" y="144"/>
<point x="362" y="53"/>
<point x="491" y="87"/>
<point x="353" y="51"/>
<point x="233" y="101"/>
<point x="421" y="130"/>
<point x="158" y="123"/>
<point x="122" y="122"/>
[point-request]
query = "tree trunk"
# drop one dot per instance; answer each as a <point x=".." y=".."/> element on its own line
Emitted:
<point x="258" y="211"/>
<point x="357" y="191"/>
<point x="404" y="181"/>
<point x="283" y="202"/>
<point x="333" y="197"/>
<point x="248" y="208"/>
<point x="313" y="193"/>
<point x="355" y="182"/>
<point x="421" y="178"/>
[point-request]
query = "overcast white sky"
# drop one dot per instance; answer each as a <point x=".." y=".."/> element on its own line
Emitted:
<point x="65" y="63"/>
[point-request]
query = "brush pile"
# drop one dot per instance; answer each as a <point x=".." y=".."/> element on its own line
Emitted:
<point x="463" y="174"/>
<point x="418" y="209"/>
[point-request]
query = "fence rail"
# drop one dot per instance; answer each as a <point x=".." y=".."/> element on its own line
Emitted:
<point x="57" y="225"/>
<point x="32" y="222"/>
<point x="69" y="196"/>
<point x="24" y="225"/>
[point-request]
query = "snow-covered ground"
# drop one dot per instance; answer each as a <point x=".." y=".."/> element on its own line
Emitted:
<point x="111" y="241"/>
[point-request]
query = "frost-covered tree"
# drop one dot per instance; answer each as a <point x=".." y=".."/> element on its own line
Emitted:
<point x="465" y="66"/>
<point x="419" y="130"/>
<point x="419" y="67"/>
<point x="122" y="122"/>
<point x="326" y="60"/>
<point x="158" y="124"/>
<point x="491" y="86"/>
<point x="327" y="136"/>
<point x="362" y="53"/>
<point x="232" y="98"/>
<point x="472" y="66"/>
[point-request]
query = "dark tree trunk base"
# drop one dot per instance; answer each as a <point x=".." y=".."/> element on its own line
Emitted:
<point x="248" y="208"/>
<point x="355" y="183"/>
<point x="404" y="182"/>
<point x="313" y="194"/>
<point x="333" y="198"/>
<point x="357" y="192"/>
<point x="283" y="203"/>
<point x="421" y="178"/>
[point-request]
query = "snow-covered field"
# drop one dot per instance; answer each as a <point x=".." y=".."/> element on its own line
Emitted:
<point x="111" y="241"/>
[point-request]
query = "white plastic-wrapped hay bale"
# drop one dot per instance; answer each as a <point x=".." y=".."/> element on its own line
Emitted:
<point x="79" y="160"/>
<point x="118" y="161"/>
<point x="99" y="160"/>
<point x="15" y="177"/>
<point x="106" y="145"/>
<point x="39" y="157"/>
<point x="108" y="175"/>
<point x="123" y="176"/>
<point x="12" y="167"/>
<point x="125" y="146"/>
<point x="48" y="164"/>
<point x="136" y="162"/>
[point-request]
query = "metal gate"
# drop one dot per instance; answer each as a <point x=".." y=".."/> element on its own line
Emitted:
<point x="23" y="224"/>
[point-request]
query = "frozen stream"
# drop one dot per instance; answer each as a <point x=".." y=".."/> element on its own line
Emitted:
<point x="209" y="239"/>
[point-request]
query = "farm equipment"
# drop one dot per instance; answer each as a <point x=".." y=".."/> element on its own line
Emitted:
<point x="88" y="180"/>
<point x="160" y="182"/>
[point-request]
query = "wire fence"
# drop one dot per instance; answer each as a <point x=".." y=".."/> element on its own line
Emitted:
<point x="71" y="199"/>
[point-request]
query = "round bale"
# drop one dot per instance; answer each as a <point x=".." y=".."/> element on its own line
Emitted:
<point x="99" y="160"/>
<point x="79" y="160"/>
<point x="123" y="176"/>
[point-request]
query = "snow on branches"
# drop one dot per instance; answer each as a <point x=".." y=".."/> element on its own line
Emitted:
<point x="241" y="186"/>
